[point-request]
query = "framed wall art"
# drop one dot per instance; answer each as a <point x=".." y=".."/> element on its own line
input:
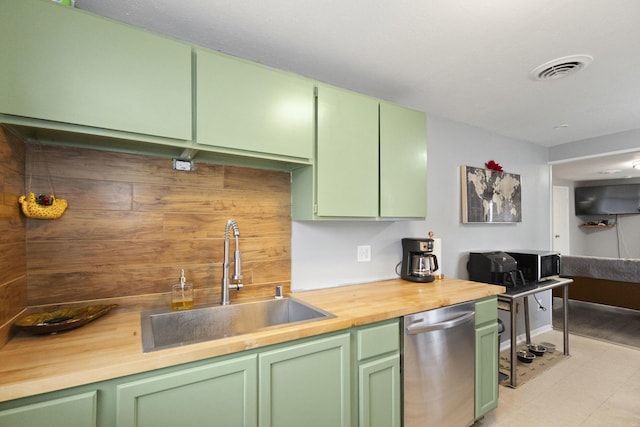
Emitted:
<point x="489" y="196"/>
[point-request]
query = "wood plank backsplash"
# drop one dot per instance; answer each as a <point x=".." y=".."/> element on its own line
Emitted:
<point x="13" y="253"/>
<point x="133" y="223"/>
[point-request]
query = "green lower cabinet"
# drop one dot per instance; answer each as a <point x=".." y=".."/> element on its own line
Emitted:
<point x="345" y="379"/>
<point x="221" y="394"/>
<point x="377" y="357"/>
<point x="72" y="411"/>
<point x="306" y="384"/>
<point x="379" y="392"/>
<point x="487" y="357"/>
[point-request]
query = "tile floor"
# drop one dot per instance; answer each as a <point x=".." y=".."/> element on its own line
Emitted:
<point x="599" y="385"/>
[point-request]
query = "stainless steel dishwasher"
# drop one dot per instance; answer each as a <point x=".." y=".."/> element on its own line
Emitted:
<point x="439" y="367"/>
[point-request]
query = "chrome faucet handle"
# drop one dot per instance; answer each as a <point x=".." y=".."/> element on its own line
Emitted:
<point x="236" y="286"/>
<point x="237" y="265"/>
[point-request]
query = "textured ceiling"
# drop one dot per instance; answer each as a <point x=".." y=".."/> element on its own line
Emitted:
<point x="465" y="60"/>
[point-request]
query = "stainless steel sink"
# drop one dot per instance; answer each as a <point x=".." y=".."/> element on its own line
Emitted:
<point x="166" y="329"/>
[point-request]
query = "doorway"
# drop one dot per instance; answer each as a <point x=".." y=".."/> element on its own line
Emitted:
<point x="560" y="206"/>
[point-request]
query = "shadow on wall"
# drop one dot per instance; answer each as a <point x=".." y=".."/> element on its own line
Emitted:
<point x="13" y="253"/>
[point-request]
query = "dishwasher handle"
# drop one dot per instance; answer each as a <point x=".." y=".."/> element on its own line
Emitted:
<point x="418" y="328"/>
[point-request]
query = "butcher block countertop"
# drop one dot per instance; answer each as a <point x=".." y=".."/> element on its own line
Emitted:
<point x="110" y="346"/>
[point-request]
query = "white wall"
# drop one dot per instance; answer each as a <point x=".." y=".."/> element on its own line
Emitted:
<point x="324" y="253"/>
<point x="621" y="241"/>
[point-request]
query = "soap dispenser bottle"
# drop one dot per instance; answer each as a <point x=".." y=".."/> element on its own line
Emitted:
<point x="182" y="294"/>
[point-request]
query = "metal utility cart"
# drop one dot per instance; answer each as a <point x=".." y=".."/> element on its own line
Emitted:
<point x="508" y="300"/>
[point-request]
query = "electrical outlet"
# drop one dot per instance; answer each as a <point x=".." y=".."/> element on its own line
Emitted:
<point x="183" y="165"/>
<point x="364" y="253"/>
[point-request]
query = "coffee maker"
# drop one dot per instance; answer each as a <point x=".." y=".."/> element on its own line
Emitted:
<point x="418" y="260"/>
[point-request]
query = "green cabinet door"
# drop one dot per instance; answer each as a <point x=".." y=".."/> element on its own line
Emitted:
<point x="486" y="311"/>
<point x="306" y="384"/>
<point x="347" y="154"/>
<point x="379" y="392"/>
<point x="377" y="358"/>
<point x="487" y="356"/>
<point x="403" y="162"/>
<point x="72" y="411"/>
<point x="486" y="369"/>
<point x="378" y="339"/>
<point x="244" y="106"/>
<point x="68" y="66"/>
<point x="220" y="394"/>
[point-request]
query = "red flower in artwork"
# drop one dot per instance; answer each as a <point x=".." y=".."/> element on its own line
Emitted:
<point x="493" y="166"/>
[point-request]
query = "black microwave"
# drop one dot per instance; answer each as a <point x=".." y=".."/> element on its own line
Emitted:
<point x="537" y="266"/>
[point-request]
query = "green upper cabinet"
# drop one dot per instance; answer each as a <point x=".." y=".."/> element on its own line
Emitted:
<point x="347" y="154"/>
<point x="371" y="161"/>
<point x="251" y="109"/>
<point x="403" y="162"/>
<point x="64" y="65"/>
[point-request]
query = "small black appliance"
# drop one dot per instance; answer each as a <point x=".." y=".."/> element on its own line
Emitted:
<point x="498" y="268"/>
<point x="418" y="260"/>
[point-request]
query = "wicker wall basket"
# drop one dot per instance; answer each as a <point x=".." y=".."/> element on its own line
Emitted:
<point x="42" y="206"/>
<point x="32" y="209"/>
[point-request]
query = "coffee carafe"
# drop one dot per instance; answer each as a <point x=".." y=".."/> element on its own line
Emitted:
<point x="418" y="260"/>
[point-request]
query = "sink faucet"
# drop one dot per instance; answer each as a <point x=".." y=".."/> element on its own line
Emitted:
<point x="237" y="274"/>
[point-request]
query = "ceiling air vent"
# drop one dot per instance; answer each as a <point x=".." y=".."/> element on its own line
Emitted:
<point x="561" y="67"/>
